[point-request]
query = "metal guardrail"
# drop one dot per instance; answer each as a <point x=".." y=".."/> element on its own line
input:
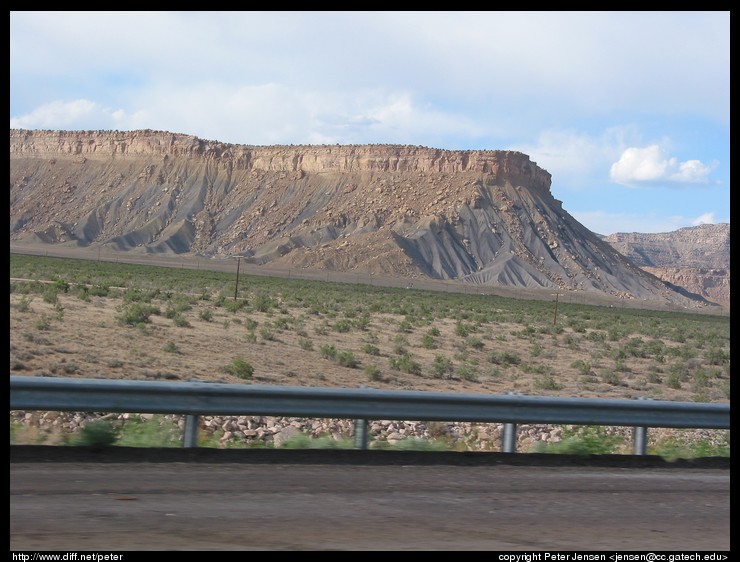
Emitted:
<point x="194" y="399"/>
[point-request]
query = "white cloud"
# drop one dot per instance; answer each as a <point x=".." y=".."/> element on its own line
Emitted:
<point x="706" y="218"/>
<point x="576" y="158"/>
<point x="59" y="114"/>
<point x="269" y="113"/>
<point x="602" y="222"/>
<point x="651" y="164"/>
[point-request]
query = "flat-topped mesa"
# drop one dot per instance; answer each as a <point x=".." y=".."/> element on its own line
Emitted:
<point x="504" y="165"/>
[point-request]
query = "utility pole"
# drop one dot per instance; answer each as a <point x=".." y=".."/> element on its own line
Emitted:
<point x="555" y="319"/>
<point x="236" y="289"/>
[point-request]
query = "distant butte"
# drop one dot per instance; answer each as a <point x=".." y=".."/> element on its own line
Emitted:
<point x="482" y="217"/>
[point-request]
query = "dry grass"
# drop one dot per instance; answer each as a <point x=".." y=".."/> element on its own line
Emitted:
<point x="289" y="345"/>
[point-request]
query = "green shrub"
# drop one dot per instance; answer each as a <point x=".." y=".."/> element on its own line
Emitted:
<point x="180" y="321"/>
<point x="428" y="342"/>
<point x="43" y="323"/>
<point x="98" y="433"/>
<point x="239" y="368"/>
<point x="136" y="313"/>
<point x="441" y="366"/>
<point x="264" y="303"/>
<point x="547" y="382"/>
<point x="504" y="358"/>
<point x="233" y="306"/>
<point x="468" y="373"/>
<point x="156" y="432"/>
<point x="583" y="440"/>
<point x="328" y="351"/>
<point x="373" y="373"/>
<point x="342" y="326"/>
<point x="370" y="349"/>
<point x="716" y="356"/>
<point x="347" y="359"/>
<point x="23" y="304"/>
<point x="406" y="364"/>
<point x="583" y="367"/>
<point x="50" y="295"/>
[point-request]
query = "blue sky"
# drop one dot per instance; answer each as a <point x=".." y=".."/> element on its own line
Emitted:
<point x="629" y="111"/>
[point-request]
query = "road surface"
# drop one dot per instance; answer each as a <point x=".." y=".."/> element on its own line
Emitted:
<point x="74" y="504"/>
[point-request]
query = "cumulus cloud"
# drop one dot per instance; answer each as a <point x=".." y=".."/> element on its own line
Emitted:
<point x="706" y="218"/>
<point x="575" y="157"/>
<point x="651" y="165"/>
<point x="76" y="114"/>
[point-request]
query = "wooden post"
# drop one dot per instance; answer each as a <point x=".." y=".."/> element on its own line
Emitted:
<point x="236" y="289"/>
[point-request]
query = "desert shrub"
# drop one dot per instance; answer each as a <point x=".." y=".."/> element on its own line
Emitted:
<point x="583" y="440"/>
<point x="98" y="433"/>
<point x="328" y="351"/>
<point x="547" y="382"/>
<point x="180" y="321"/>
<point x="50" y="295"/>
<point x="306" y="344"/>
<point x="362" y="323"/>
<point x="504" y="358"/>
<point x="406" y="364"/>
<point x="373" y="373"/>
<point x="43" y="323"/>
<point x="239" y="368"/>
<point x="441" y="366"/>
<point x="267" y="334"/>
<point x="347" y="359"/>
<point x="234" y="305"/>
<point x="405" y="326"/>
<point x="155" y="432"/>
<point x="136" y="313"/>
<point x="716" y="356"/>
<point x="251" y="337"/>
<point x="342" y="326"/>
<point x="428" y="342"/>
<point x="673" y="381"/>
<point x="475" y="343"/>
<point x="610" y="377"/>
<point x="99" y="291"/>
<point x="23" y="304"/>
<point x="137" y="295"/>
<point x="468" y="373"/>
<point x="583" y="367"/>
<point x="463" y="329"/>
<point x="264" y="302"/>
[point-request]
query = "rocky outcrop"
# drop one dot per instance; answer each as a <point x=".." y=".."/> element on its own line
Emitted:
<point x="696" y="258"/>
<point x="482" y="217"/>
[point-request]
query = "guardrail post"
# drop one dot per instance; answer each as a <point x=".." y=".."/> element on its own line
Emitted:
<point x="508" y="438"/>
<point x="190" y="436"/>
<point x="639" y="436"/>
<point x="639" y="440"/>
<point x="361" y="427"/>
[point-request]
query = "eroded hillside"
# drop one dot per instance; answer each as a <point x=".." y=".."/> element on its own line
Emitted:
<point x="482" y="217"/>
<point x="696" y="258"/>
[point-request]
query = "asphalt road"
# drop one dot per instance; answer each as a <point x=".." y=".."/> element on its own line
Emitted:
<point x="403" y="503"/>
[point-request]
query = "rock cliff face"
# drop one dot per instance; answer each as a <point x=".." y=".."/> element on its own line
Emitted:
<point x="695" y="258"/>
<point x="482" y="217"/>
